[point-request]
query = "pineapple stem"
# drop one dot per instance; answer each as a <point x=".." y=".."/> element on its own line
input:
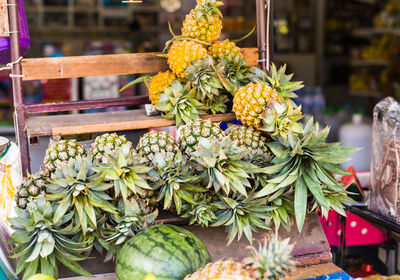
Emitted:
<point x="245" y="36"/>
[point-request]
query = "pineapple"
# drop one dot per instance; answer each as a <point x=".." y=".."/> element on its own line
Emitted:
<point x="107" y="143"/>
<point x="128" y="176"/>
<point x="249" y="138"/>
<point x="174" y="179"/>
<point x="75" y="187"/>
<point x="43" y="243"/>
<point x="190" y="134"/>
<point x="225" y="49"/>
<point x="306" y="164"/>
<point x="182" y="53"/>
<point x="204" y="23"/>
<point x="179" y="103"/>
<point x="270" y="261"/>
<point x="158" y="84"/>
<point x="31" y="189"/>
<point x="265" y="102"/>
<point x="62" y="151"/>
<point x="156" y="142"/>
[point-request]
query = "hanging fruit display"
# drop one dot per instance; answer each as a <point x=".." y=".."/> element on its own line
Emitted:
<point x="269" y="172"/>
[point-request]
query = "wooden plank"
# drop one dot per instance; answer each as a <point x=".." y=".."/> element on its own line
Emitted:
<point x="100" y="65"/>
<point x="101" y="122"/>
<point x="300" y="273"/>
<point x="4" y="23"/>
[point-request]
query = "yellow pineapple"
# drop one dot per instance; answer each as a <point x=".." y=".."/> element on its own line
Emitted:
<point x="204" y="23"/>
<point x="225" y="49"/>
<point x="265" y="102"/>
<point x="270" y="261"/>
<point x="182" y="53"/>
<point x="158" y="85"/>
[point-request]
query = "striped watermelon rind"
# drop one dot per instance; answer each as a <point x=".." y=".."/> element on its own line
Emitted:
<point x="166" y="251"/>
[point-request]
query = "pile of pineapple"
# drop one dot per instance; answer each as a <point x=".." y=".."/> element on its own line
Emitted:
<point x="271" y="171"/>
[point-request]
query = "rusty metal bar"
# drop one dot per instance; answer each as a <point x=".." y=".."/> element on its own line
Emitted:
<point x="270" y="33"/>
<point x="86" y="104"/>
<point x="18" y="98"/>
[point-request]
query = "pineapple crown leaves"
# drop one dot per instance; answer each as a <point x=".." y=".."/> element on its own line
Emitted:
<point x="223" y="166"/>
<point x="131" y="219"/>
<point x="202" y="76"/>
<point x="179" y="103"/>
<point x="208" y="9"/>
<point x="218" y="105"/>
<point x="235" y="71"/>
<point x="282" y="118"/>
<point x="125" y="170"/>
<point x="143" y="79"/>
<point x="271" y="260"/>
<point x="281" y="210"/>
<point x="175" y="180"/>
<point x="241" y="215"/>
<point x="76" y="185"/>
<point x="306" y="163"/>
<point x="43" y="244"/>
<point x="201" y="210"/>
<point x="277" y="79"/>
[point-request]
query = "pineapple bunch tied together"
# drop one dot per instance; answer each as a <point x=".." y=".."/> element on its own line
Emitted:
<point x="60" y="152"/>
<point x="204" y="23"/>
<point x="270" y="261"/>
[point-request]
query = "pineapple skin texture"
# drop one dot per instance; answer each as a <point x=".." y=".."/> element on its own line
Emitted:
<point x="224" y="49"/>
<point x="201" y="28"/>
<point x="190" y="134"/>
<point x="156" y="142"/>
<point x="182" y="53"/>
<point x="31" y="189"/>
<point x="249" y="138"/>
<point x="222" y="270"/>
<point x="251" y="101"/>
<point x="61" y="152"/>
<point x="158" y="84"/>
<point x="107" y="141"/>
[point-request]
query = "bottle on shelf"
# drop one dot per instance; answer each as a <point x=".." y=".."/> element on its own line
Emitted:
<point x="357" y="134"/>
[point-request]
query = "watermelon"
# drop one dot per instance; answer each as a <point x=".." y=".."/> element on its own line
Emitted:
<point x="168" y="252"/>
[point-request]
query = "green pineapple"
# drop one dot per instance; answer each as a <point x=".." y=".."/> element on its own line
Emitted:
<point x="174" y="179"/>
<point x="190" y="134"/>
<point x="106" y="144"/>
<point x="179" y="103"/>
<point x="252" y="140"/>
<point x="133" y="217"/>
<point x="45" y="242"/>
<point x="128" y="176"/>
<point x="156" y="142"/>
<point x="76" y="185"/>
<point x="61" y="152"/>
<point x="223" y="166"/>
<point x="304" y="163"/>
<point x="270" y="261"/>
<point x="31" y="189"/>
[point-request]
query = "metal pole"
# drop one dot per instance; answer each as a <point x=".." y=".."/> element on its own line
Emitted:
<point x="270" y="33"/>
<point x="265" y="32"/>
<point x="261" y="34"/>
<point x="18" y="99"/>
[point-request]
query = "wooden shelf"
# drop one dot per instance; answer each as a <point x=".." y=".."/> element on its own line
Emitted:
<point x="101" y="122"/>
<point x="369" y="62"/>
